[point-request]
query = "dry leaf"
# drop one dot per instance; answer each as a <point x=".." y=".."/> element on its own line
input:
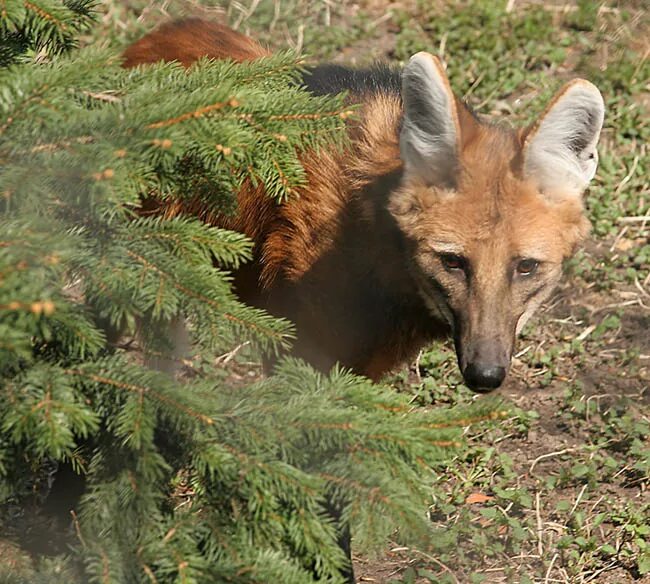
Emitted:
<point x="477" y="498"/>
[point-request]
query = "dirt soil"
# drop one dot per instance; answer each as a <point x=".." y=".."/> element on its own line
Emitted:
<point x="552" y="440"/>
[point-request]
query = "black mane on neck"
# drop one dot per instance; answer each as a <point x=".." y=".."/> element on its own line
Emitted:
<point x="333" y="79"/>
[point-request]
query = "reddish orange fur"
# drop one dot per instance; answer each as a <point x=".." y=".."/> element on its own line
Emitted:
<point x="189" y="40"/>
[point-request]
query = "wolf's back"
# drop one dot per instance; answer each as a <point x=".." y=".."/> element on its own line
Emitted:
<point x="189" y="40"/>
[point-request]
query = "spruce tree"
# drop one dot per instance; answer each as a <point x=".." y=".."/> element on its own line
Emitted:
<point x="198" y="479"/>
<point x="41" y="28"/>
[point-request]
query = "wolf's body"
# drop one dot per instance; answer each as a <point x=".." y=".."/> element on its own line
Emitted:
<point x="431" y="223"/>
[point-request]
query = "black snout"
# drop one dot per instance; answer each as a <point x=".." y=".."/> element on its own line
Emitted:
<point x="484" y="378"/>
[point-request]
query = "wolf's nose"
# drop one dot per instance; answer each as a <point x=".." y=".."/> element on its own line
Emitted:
<point x="484" y="378"/>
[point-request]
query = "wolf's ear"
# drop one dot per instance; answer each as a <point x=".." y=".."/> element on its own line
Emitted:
<point x="560" y="148"/>
<point x="430" y="130"/>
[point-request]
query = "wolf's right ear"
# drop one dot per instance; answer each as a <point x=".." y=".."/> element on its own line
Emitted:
<point x="560" y="148"/>
<point x="429" y="140"/>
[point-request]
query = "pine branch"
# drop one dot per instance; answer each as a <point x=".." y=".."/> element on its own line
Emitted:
<point x="37" y="26"/>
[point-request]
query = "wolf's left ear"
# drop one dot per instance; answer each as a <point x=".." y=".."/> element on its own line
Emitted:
<point x="430" y="136"/>
<point x="560" y="148"/>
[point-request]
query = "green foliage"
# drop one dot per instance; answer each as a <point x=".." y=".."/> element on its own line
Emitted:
<point x="111" y="139"/>
<point x="491" y="53"/>
<point x="41" y="28"/>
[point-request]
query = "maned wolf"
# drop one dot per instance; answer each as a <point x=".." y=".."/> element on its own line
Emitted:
<point x="431" y="223"/>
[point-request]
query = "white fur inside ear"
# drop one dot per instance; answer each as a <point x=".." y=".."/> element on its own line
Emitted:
<point x="429" y="136"/>
<point x="560" y="152"/>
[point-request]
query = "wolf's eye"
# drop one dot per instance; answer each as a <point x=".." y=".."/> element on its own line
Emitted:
<point x="453" y="262"/>
<point x="527" y="266"/>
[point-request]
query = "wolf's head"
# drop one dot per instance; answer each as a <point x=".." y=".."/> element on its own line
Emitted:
<point x="491" y="213"/>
